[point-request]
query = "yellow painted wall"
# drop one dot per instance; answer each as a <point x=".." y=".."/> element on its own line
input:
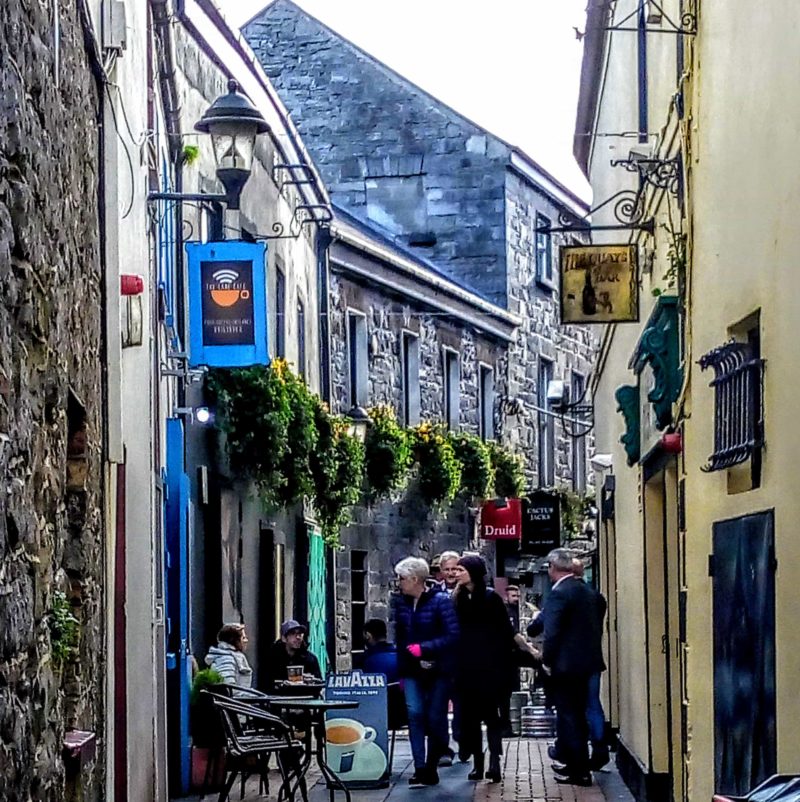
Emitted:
<point x="745" y="194"/>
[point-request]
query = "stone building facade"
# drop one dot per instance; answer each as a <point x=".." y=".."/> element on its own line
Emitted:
<point x="416" y="325"/>
<point x="420" y="174"/>
<point x="51" y="403"/>
<point x="419" y="178"/>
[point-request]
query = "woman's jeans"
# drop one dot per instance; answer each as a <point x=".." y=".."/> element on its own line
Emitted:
<point x="426" y="700"/>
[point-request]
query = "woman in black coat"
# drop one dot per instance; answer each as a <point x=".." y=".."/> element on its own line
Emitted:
<point x="483" y="663"/>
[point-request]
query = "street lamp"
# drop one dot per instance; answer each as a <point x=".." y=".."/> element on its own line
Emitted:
<point x="233" y="123"/>
<point x="360" y="421"/>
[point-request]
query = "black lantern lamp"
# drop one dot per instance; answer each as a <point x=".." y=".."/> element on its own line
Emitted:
<point x="360" y="422"/>
<point x="233" y="123"/>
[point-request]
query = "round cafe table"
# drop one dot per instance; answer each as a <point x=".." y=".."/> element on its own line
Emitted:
<point x="315" y="710"/>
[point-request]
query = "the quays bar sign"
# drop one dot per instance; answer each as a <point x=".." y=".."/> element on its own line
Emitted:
<point x="503" y="521"/>
<point x="599" y="283"/>
<point x="227" y="303"/>
<point x="541" y="523"/>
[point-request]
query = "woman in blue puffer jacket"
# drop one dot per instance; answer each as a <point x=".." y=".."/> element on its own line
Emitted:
<point x="426" y="630"/>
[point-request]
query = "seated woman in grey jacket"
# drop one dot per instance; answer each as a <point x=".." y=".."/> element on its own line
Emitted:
<point x="227" y="657"/>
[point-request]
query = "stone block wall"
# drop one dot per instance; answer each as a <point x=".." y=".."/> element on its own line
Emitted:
<point x="404" y="526"/>
<point x="541" y="334"/>
<point x="368" y="129"/>
<point x="51" y="401"/>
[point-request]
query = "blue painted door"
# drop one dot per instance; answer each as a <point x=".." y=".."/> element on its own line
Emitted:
<point x="317" y="599"/>
<point x="177" y="588"/>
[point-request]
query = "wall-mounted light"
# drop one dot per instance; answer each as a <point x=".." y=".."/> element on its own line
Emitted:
<point x="360" y="422"/>
<point x="202" y="415"/>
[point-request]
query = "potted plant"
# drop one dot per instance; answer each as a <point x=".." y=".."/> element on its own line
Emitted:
<point x="207" y="737"/>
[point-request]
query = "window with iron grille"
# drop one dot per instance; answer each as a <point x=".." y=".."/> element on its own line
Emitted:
<point x="738" y="403"/>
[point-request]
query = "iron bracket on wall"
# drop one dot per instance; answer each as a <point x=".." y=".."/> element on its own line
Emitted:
<point x="658" y="173"/>
<point x="306" y="175"/>
<point x="317" y="214"/>
<point x="658" y="21"/>
<point x="628" y="211"/>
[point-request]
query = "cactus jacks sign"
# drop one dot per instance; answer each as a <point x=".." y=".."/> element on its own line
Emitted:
<point x="227" y="304"/>
<point x="599" y="284"/>
<point x="501" y="521"/>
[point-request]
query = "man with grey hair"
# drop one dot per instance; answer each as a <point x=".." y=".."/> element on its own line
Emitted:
<point x="448" y="562"/>
<point x="572" y="649"/>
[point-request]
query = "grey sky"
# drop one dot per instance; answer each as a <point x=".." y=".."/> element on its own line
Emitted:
<point x="512" y="66"/>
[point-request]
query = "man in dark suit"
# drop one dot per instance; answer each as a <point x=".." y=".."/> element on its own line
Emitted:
<point x="572" y="649"/>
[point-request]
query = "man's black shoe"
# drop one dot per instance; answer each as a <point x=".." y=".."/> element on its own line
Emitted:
<point x="584" y="781"/>
<point x="421" y="777"/>
<point x="559" y="768"/>
<point x="599" y="759"/>
<point x="464" y="755"/>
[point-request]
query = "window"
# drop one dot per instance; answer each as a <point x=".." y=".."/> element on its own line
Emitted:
<point x="357" y="358"/>
<point x="359" y="585"/>
<point x="544" y="251"/>
<point x="451" y="388"/>
<point x="410" y="369"/>
<point x="738" y="401"/>
<point x="547" y="474"/>
<point x="578" y="443"/>
<point x="280" y="314"/>
<point x="486" y="402"/>
<point x="301" y="339"/>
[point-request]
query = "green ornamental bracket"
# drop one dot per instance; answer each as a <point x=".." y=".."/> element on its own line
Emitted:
<point x="628" y="404"/>
<point x="659" y="346"/>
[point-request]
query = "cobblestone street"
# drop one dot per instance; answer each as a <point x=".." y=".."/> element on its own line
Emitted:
<point x="527" y="777"/>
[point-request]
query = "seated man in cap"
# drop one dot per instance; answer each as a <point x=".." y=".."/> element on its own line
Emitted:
<point x="290" y="650"/>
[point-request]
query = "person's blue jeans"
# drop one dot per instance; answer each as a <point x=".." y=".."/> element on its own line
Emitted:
<point x="595" y="716"/>
<point x="426" y="700"/>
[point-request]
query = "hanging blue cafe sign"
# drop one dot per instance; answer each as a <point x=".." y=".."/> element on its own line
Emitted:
<point x="227" y="303"/>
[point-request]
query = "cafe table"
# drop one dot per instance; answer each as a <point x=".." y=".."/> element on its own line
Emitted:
<point x="315" y="710"/>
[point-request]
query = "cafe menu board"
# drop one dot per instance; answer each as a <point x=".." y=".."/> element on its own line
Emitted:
<point x="541" y="523"/>
<point x="357" y="745"/>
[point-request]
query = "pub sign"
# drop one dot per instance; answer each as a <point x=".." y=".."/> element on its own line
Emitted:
<point x="541" y="523"/>
<point x="227" y="303"/>
<point x="599" y="283"/>
<point x="501" y="522"/>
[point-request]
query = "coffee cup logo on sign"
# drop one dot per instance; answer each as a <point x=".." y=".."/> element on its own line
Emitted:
<point x="345" y="738"/>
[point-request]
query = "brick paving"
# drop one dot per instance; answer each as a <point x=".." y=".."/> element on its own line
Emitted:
<point x="527" y="777"/>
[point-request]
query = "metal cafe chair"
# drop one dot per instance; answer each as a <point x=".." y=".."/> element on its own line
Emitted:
<point x="251" y="736"/>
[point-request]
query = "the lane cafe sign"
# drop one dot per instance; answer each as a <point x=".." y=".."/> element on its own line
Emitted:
<point x="227" y="303"/>
<point x="599" y="283"/>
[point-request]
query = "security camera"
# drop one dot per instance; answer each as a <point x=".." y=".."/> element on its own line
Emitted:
<point x="557" y="393"/>
<point x="602" y="462"/>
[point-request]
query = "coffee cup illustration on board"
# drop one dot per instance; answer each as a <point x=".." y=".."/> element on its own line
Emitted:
<point x="345" y="738"/>
<point x="294" y="673"/>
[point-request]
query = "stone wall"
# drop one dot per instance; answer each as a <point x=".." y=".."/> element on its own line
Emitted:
<point x="391" y="146"/>
<point x="51" y="401"/>
<point x="569" y="348"/>
<point x="405" y="526"/>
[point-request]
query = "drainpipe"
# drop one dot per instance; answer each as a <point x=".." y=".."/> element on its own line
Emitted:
<point x="324" y="240"/>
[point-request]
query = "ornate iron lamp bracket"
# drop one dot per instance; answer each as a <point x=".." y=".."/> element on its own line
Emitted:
<point x="658" y="173"/>
<point x="662" y="22"/>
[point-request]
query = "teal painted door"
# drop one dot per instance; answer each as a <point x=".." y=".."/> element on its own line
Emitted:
<point x="317" y="599"/>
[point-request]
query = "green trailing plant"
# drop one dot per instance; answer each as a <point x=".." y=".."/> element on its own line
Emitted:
<point x="63" y="629"/>
<point x="387" y="453"/>
<point x="477" y="471"/>
<point x="203" y="680"/>
<point x="337" y="473"/>
<point x="675" y="274"/>
<point x="301" y="440"/>
<point x="438" y="470"/>
<point x="574" y="510"/>
<point x="190" y="154"/>
<point x="509" y="473"/>
<point x="254" y="410"/>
